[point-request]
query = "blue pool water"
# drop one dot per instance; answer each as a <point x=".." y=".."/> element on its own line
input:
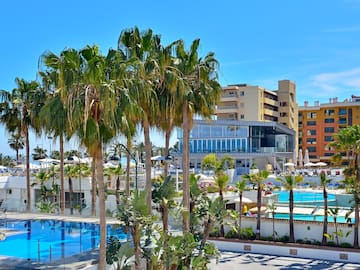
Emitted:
<point x="339" y="219"/>
<point x="50" y="240"/>
<point x="304" y="197"/>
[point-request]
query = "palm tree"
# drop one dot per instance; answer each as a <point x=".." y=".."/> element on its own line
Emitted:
<point x="221" y="180"/>
<point x="16" y="142"/>
<point x="197" y="93"/>
<point x="96" y="112"/>
<point x="61" y="73"/>
<point x="240" y="186"/>
<point x="257" y="179"/>
<point x="289" y="183"/>
<point x="39" y="153"/>
<point x="18" y="111"/>
<point x="323" y="182"/>
<point x="139" y="47"/>
<point x="348" y="140"/>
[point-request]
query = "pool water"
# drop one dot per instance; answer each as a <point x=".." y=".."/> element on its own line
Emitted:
<point x="304" y="197"/>
<point x="339" y="219"/>
<point x="50" y="240"/>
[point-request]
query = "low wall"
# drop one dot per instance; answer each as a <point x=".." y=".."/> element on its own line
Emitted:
<point x="305" y="230"/>
<point x="292" y="250"/>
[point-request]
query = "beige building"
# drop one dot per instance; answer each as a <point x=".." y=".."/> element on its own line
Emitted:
<point x="255" y="103"/>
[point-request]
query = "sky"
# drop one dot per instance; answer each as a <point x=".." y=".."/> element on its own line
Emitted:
<point x="316" y="44"/>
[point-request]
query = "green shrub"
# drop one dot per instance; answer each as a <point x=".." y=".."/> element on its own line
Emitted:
<point x="300" y="241"/>
<point x="215" y="232"/>
<point x="346" y="245"/>
<point x="285" y="239"/>
<point x="316" y="242"/>
<point x="247" y="234"/>
<point x="231" y="234"/>
<point x="331" y="243"/>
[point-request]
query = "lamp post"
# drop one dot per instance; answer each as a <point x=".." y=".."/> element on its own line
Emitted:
<point x="136" y="164"/>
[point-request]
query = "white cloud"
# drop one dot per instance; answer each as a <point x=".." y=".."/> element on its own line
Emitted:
<point x="355" y="28"/>
<point x="337" y="83"/>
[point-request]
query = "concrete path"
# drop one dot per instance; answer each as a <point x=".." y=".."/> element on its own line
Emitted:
<point x="236" y="261"/>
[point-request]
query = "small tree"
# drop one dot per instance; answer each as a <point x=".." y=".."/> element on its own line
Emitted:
<point x="240" y="187"/>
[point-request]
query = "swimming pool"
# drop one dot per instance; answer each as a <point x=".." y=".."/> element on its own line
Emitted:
<point x="305" y="197"/>
<point x="50" y="240"/>
<point x="339" y="219"/>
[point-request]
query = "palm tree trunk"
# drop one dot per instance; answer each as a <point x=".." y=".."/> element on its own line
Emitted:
<point x="258" y="217"/>
<point x="102" y="215"/>
<point x="71" y="196"/>
<point x="325" y="224"/>
<point x="356" y="202"/>
<point x="128" y="144"/>
<point x="137" y="251"/>
<point x="291" y="211"/>
<point x="117" y="195"/>
<point x="222" y="230"/>
<point x="62" y="183"/>
<point x="185" y="165"/>
<point x="147" y="164"/>
<point x="93" y="189"/>
<point x="167" y="143"/>
<point x="240" y="213"/>
<point x="28" y="188"/>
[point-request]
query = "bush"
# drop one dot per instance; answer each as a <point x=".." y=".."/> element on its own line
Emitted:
<point x="316" y="242"/>
<point x="299" y="241"/>
<point x="231" y="234"/>
<point x="247" y="234"/>
<point x="215" y="232"/>
<point x="346" y="245"/>
<point x="331" y="244"/>
<point x="284" y="239"/>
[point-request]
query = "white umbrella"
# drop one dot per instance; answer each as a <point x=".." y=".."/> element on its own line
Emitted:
<point x="49" y="160"/>
<point x="157" y="158"/>
<point x="306" y="157"/>
<point x="321" y="164"/>
<point x="74" y="160"/>
<point x="23" y="166"/>
<point x="309" y="164"/>
<point x="289" y="164"/>
<point x="300" y="158"/>
<point x="244" y="200"/>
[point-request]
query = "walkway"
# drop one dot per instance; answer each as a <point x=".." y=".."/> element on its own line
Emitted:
<point x="236" y="261"/>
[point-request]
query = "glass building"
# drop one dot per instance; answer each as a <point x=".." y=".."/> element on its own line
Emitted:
<point x="248" y="142"/>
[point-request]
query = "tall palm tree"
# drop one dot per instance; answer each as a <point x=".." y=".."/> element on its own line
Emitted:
<point x="60" y="74"/>
<point x="197" y="93"/>
<point x="19" y="109"/>
<point x="16" y="142"/>
<point x="96" y="111"/>
<point x="289" y="183"/>
<point x="240" y="187"/>
<point x="139" y="49"/>
<point x="221" y="180"/>
<point x="323" y="182"/>
<point x="39" y="153"/>
<point x="257" y="178"/>
<point x="348" y="140"/>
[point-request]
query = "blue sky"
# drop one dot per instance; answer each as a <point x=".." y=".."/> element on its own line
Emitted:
<point x="314" y="43"/>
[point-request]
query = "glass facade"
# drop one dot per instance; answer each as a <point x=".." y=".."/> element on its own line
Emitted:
<point x="220" y="138"/>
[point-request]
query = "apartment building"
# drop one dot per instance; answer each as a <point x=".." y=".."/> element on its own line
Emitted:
<point x="318" y="123"/>
<point x="255" y="103"/>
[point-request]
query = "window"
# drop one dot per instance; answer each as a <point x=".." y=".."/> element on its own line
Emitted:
<point x="283" y="114"/>
<point x="311" y="115"/>
<point x="342" y="121"/>
<point x="283" y="104"/>
<point x="329" y="130"/>
<point x="242" y="93"/>
<point x="329" y="120"/>
<point x="328" y="138"/>
<point x="311" y="140"/>
<point x="329" y="112"/>
<point x="242" y="116"/>
<point x="311" y="123"/>
<point x="342" y="111"/>
<point x="328" y="154"/>
<point x="312" y="149"/>
<point x="311" y="132"/>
